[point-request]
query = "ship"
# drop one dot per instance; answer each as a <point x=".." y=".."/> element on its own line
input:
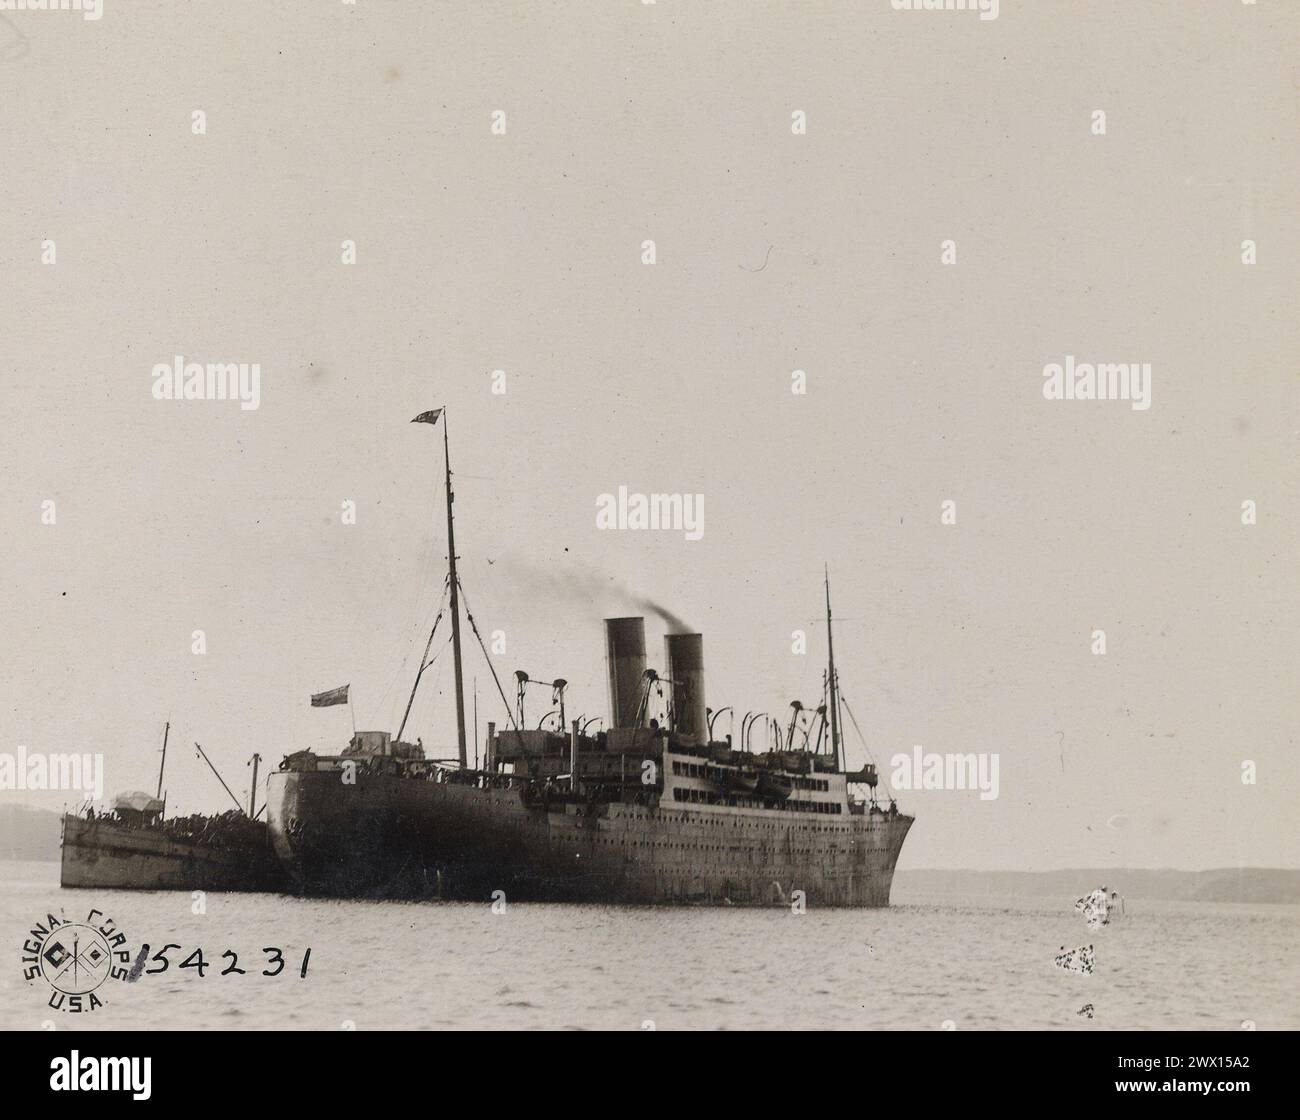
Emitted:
<point x="120" y="851"/>
<point x="653" y="809"/>
<point x="136" y="846"/>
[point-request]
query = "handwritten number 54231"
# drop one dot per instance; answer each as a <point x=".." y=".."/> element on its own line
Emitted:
<point x="274" y="958"/>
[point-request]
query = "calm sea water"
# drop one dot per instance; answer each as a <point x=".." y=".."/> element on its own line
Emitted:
<point x="975" y="963"/>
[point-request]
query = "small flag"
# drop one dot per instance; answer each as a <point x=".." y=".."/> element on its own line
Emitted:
<point x="428" y="417"/>
<point x="333" y="696"/>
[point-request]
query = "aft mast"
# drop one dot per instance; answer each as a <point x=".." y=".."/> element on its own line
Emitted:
<point x="834" y="699"/>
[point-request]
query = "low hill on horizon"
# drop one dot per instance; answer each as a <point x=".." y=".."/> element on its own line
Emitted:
<point x="29" y="834"/>
<point x="1222" y="884"/>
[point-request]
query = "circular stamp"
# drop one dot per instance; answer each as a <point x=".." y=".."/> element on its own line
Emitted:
<point x="76" y="959"/>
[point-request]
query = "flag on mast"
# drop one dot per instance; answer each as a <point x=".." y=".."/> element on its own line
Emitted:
<point x="428" y="417"/>
<point x="333" y="696"/>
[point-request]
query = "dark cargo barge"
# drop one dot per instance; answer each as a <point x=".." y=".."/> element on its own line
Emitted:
<point x="137" y="847"/>
<point x="224" y="853"/>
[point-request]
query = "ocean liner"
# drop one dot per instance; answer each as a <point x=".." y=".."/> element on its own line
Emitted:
<point x="654" y="809"/>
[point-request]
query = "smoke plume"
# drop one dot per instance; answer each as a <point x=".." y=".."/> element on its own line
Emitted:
<point x="573" y="582"/>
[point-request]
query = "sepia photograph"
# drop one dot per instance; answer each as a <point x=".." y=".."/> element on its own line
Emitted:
<point x="650" y="515"/>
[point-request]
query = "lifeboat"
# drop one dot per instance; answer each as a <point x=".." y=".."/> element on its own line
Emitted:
<point x="866" y="776"/>
<point x="740" y="783"/>
<point x="775" y="786"/>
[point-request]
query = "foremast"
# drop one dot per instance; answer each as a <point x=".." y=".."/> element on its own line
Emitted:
<point x="453" y="585"/>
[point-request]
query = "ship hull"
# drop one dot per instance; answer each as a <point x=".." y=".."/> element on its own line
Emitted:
<point x="107" y="854"/>
<point x="385" y="836"/>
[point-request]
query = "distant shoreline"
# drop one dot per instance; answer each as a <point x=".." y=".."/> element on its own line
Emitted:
<point x="1274" y="885"/>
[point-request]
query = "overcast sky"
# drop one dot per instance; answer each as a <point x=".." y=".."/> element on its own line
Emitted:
<point x="775" y="252"/>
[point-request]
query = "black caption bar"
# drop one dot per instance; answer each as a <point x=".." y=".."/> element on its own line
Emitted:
<point x="356" y="1068"/>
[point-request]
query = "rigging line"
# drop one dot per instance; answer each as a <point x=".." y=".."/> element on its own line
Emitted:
<point x="856" y="728"/>
<point x="492" y="668"/>
<point x="425" y="565"/>
<point x="429" y="700"/>
<point x="440" y="652"/>
<point x="442" y="603"/>
<point x="425" y="569"/>
<point x="406" y="657"/>
<point x="888" y="784"/>
<point x="826" y="705"/>
<point x="421" y="611"/>
<point x="424" y="664"/>
<point x="426" y="713"/>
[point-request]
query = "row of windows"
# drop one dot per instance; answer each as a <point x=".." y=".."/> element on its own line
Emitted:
<point x="703" y="795"/>
<point x="736" y="849"/>
<point x="708" y="797"/>
<point x="819" y="784"/>
<point x="729" y="820"/>
<point x="713" y="773"/>
<point x="830" y="807"/>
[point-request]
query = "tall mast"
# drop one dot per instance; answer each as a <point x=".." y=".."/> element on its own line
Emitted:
<point x="833" y="686"/>
<point x="455" y="602"/>
<point x="252" y="793"/>
<point x="163" y="763"/>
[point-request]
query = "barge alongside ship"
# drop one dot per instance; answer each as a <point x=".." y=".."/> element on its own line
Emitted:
<point x="136" y="846"/>
<point x="652" y="810"/>
<point x="224" y="853"/>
